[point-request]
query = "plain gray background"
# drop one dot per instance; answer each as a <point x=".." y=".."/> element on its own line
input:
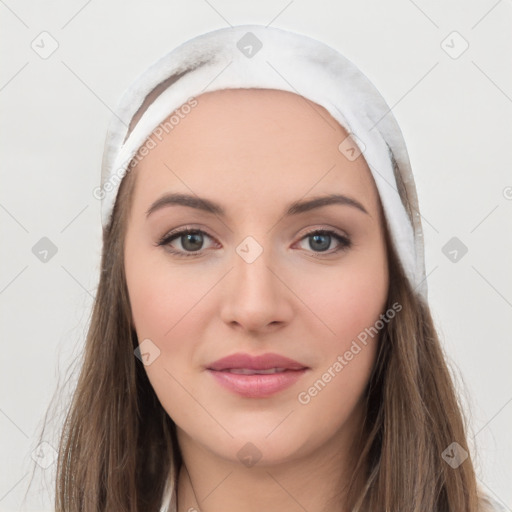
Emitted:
<point x="456" y="115"/>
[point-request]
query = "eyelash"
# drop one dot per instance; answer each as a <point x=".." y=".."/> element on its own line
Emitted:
<point x="345" y="242"/>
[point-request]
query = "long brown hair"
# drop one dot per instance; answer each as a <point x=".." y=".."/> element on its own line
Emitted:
<point x="118" y="447"/>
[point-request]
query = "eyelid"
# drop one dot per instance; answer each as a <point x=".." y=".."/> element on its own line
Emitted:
<point x="175" y="234"/>
<point x="342" y="238"/>
<point x="324" y="228"/>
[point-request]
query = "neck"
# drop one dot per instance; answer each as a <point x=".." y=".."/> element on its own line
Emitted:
<point x="316" y="482"/>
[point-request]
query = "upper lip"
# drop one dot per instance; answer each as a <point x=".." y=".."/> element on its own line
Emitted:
<point x="260" y="362"/>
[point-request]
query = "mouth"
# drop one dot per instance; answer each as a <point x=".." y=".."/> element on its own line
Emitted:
<point x="248" y="371"/>
<point x="256" y="376"/>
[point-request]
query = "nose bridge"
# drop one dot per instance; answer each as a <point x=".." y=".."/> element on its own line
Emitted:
<point x="253" y="278"/>
<point x="255" y="297"/>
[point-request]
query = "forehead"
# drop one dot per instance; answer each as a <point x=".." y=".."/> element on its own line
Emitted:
<point x="254" y="142"/>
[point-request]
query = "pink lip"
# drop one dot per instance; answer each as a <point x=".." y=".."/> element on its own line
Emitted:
<point x="261" y="362"/>
<point x="256" y="385"/>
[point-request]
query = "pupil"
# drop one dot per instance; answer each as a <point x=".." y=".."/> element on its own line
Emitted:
<point x="192" y="237"/>
<point x="323" y="246"/>
<point x="193" y="242"/>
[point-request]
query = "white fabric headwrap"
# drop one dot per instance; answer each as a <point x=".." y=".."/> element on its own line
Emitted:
<point x="254" y="56"/>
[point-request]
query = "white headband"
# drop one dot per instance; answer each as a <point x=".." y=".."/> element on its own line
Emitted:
<point x="254" y="56"/>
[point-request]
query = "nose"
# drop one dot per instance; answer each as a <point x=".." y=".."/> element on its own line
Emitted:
<point x="256" y="297"/>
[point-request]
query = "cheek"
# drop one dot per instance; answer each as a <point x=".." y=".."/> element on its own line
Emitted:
<point x="151" y="300"/>
<point x="164" y="308"/>
<point x="332" y="398"/>
<point x="160" y="295"/>
<point x="347" y="301"/>
<point x="349" y="308"/>
<point x="167" y="302"/>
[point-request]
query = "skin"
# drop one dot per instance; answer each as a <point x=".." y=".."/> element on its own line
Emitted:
<point x="254" y="152"/>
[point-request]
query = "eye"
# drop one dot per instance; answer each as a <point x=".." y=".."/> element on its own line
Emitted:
<point x="320" y="240"/>
<point x="191" y="241"/>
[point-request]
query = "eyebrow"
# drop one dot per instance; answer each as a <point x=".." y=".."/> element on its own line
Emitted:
<point x="294" y="208"/>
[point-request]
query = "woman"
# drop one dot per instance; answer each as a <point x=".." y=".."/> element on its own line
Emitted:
<point x="261" y="337"/>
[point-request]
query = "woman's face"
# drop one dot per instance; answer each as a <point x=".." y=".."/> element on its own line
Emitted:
<point x="255" y="278"/>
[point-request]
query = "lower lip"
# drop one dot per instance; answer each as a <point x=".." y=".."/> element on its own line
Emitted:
<point x="257" y="385"/>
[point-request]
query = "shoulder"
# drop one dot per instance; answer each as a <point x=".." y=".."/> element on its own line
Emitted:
<point x="488" y="504"/>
